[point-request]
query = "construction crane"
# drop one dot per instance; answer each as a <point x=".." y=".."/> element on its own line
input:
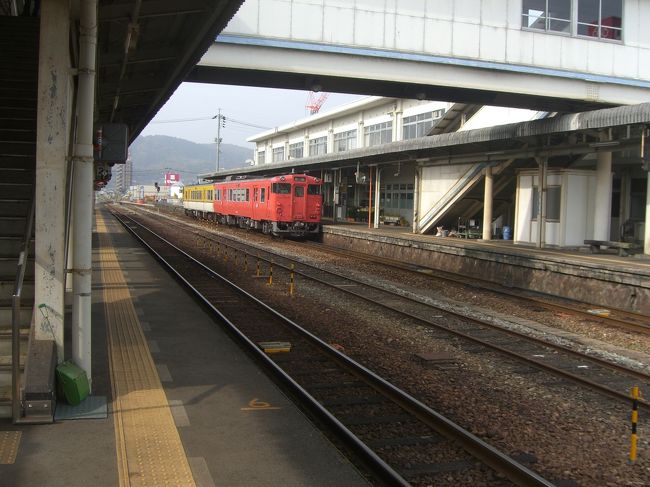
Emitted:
<point x="315" y="101"/>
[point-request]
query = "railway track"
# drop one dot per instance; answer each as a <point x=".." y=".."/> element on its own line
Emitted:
<point x="399" y="439"/>
<point x="479" y="335"/>
<point x="619" y="318"/>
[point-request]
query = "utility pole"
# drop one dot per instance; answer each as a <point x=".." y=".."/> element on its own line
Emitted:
<point x="221" y="122"/>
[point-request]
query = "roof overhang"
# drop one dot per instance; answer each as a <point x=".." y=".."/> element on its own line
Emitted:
<point x="146" y="49"/>
<point x="612" y="129"/>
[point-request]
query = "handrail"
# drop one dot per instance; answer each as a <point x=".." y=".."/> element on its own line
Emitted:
<point x="15" y="314"/>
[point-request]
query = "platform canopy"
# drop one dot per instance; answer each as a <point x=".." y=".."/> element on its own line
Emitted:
<point x="146" y="49"/>
<point x="562" y="137"/>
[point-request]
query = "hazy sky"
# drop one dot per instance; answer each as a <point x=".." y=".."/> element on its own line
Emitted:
<point x="188" y="112"/>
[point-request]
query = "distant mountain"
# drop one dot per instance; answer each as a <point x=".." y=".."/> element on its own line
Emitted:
<point x="154" y="155"/>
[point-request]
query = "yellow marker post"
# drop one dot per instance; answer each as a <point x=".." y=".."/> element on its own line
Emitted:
<point x="291" y="280"/>
<point x="635" y="418"/>
<point x="271" y="273"/>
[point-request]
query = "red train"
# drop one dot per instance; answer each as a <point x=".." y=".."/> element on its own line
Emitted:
<point x="288" y="205"/>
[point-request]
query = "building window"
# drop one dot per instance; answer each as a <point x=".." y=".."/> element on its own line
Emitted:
<point x="260" y="157"/>
<point x="345" y="141"/>
<point x="318" y="146"/>
<point x="600" y="18"/>
<point x="278" y="154"/>
<point x="549" y="15"/>
<point x="380" y="133"/>
<point x="419" y="125"/>
<point x="296" y="150"/>
<point x="553" y="201"/>
<point x="397" y="197"/>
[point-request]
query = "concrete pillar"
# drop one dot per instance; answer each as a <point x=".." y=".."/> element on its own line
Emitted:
<point x="603" y="201"/>
<point x="646" y="237"/>
<point x="83" y="195"/>
<point x="52" y="123"/>
<point x="487" y="205"/>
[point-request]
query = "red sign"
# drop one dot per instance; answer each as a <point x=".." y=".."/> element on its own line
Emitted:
<point x="172" y="178"/>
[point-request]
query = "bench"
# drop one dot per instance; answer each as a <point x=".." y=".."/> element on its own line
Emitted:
<point x="392" y="220"/>
<point x="623" y="247"/>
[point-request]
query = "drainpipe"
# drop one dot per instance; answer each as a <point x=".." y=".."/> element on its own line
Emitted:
<point x="83" y="189"/>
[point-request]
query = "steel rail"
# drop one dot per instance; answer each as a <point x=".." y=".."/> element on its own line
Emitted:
<point x="576" y="378"/>
<point x="489" y="455"/>
<point x="488" y="286"/>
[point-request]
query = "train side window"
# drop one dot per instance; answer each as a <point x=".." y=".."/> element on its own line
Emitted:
<point x="255" y="191"/>
<point x="313" y="189"/>
<point x="230" y="194"/>
<point x="263" y="195"/>
<point x="281" y="188"/>
<point x="299" y="191"/>
<point x="247" y="194"/>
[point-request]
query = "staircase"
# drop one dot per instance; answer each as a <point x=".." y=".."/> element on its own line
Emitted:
<point x="18" y="103"/>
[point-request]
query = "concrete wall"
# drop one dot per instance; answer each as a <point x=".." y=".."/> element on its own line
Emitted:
<point x="576" y="208"/>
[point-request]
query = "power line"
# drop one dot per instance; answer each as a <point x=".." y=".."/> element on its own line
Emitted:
<point x="233" y="120"/>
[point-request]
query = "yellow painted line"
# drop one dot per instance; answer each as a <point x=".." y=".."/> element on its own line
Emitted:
<point x="9" y="442"/>
<point x="149" y="449"/>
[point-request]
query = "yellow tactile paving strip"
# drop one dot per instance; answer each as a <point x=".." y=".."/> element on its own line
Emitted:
<point x="9" y="441"/>
<point x="149" y="449"/>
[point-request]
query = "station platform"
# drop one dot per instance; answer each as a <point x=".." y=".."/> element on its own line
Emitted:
<point x="185" y="405"/>
<point x="603" y="279"/>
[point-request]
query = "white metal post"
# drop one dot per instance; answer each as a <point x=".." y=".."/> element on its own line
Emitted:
<point x="83" y="190"/>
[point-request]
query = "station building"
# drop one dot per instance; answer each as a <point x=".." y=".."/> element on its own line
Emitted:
<point x="449" y="195"/>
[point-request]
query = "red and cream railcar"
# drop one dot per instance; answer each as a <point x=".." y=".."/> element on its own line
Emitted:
<point x="282" y="205"/>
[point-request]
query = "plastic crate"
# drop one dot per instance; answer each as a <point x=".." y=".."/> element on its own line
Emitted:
<point x="73" y="382"/>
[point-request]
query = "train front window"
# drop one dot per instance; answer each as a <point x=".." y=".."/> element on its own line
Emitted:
<point x="281" y="188"/>
<point x="299" y="191"/>
<point x="313" y="189"/>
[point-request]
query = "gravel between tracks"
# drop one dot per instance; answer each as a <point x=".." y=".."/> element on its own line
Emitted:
<point x="574" y="435"/>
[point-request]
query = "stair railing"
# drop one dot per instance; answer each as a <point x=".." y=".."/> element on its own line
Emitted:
<point x="15" y="316"/>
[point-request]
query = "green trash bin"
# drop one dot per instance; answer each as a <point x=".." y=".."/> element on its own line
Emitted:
<point x="73" y="382"/>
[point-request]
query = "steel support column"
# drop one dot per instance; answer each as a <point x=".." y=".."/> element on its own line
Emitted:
<point x="83" y="190"/>
<point x="377" y="195"/>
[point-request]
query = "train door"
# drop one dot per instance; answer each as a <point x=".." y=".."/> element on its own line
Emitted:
<point x="299" y="206"/>
<point x="256" y="203"/>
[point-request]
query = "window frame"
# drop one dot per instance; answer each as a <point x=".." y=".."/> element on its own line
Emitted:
<point x="574" y="22"/>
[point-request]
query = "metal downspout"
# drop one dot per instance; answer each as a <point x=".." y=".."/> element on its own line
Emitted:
<point x="83" y="190"/>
